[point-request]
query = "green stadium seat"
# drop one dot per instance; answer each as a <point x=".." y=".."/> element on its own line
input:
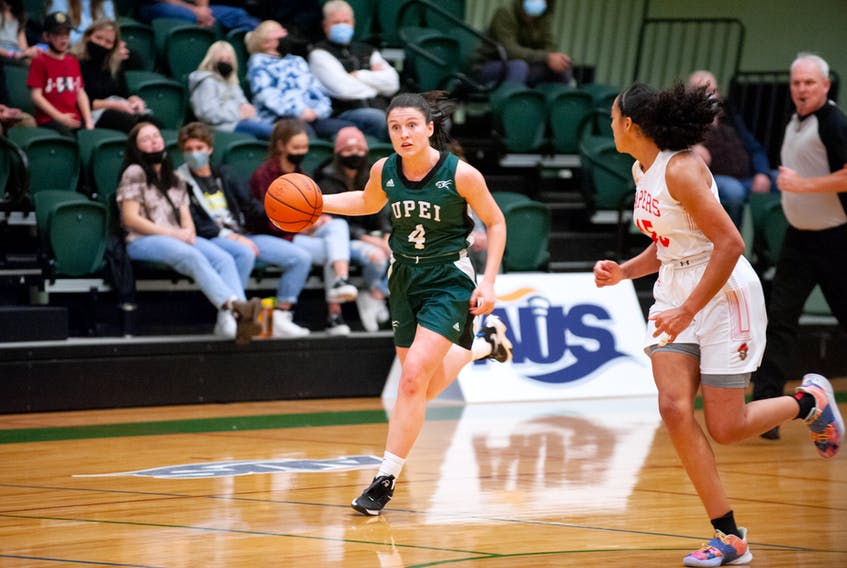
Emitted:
<point x="223" y="139"/>
<point x="244" y="156"/>
<point x="140" y="42"/>
<point x="566" y="109"/>
<point x="53" y="159"/>
<point x="19" y="96"/>
<point x="319" y="152"/>
<point x="165" y="97"/>
<point x="527" y="234"/>
<point x="520" y="116"/>
<point x="181" y="46"/>
<point x="73" y="232"/>
<point x="14" y="177"/>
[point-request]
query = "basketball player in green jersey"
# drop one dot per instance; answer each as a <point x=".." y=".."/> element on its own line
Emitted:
<point x="434" y="296"/>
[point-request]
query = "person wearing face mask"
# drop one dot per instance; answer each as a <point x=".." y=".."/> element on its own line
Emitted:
<point x="216" y="96"/>
<point x="348" y="171"/>
<point x="283" y="86"/>
<point x="223" y="211"/>
<point x="101" y="65"/>
<point x="154" y="209"/>
<point x="55" y="81"/>
<point x="328" y="239"/>
<point x="525" y="30"/>
<point x="356" y="76"/>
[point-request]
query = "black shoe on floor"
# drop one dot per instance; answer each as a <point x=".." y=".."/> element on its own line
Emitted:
<point x="772" y="434"/>
<point x="376" y="496"/>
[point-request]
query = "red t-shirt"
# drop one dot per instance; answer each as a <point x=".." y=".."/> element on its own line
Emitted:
<point x="59" y="80"/>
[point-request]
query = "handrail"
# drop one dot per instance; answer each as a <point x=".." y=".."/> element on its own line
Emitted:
<point x="461" y="76"/>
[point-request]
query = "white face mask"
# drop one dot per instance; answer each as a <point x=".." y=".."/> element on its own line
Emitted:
<point x="196" y="160"/>
<point x="534" y="7"/>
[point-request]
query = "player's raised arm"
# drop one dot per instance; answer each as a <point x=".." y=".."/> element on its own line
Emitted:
<point x="365" y="202"/>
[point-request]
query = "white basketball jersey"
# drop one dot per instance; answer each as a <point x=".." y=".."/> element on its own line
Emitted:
<point x="661" y="217"/>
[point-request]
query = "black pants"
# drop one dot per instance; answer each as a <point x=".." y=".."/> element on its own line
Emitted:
<point x="808" y="258"/>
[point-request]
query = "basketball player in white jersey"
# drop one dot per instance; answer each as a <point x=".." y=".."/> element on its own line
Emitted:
<point x="707" y="326"/>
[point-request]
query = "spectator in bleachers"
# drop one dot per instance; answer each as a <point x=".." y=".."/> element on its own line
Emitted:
<point x="101" y="64"/>
<point x="737" y="160"/>
<point x="301" y="18"/>
<point x="13" y="43"/>
<point x="10" y="117"/>
<point x="55" y="81"/>
<point x="83" y="13"/>
<point x="328" y="240"/>
<point x="216" y="96"/>
<point x="525" y="30"/>
<point x="224" y="212"/>
<point x="199" y="12"/>
<point x="356" y="76"/>
<point x="155" y="213"/>
<point x="283" y="86"/>
<point x="348" y="171"/>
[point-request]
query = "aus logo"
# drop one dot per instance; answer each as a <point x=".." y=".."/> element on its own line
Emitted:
<point x="554" y="343"/>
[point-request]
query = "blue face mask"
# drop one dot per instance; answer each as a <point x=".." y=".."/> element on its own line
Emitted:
<point x="341" y="33"/>
<point x="534" y="8"/>
<point x="196" y="160"/>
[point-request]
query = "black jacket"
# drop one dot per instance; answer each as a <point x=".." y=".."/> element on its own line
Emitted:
<point x="248" y="212"/>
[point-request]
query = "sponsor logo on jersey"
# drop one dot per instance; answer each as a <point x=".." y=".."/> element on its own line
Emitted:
<point x="554" y="343"/>
<point x="456" y="326"/>
<point x="443" y="183"/>
<point x="389" y="183"/>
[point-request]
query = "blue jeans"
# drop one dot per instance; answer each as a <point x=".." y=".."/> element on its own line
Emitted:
<point x="325" y="128"/>
<point x="371" y="121"/>
<point x="521" y="72"/>
<point x="329" y="243"/>
<point x="374" y="272"/>
<point x="255" y="127"/>
<point x="229" y="17"/>
<point x="294" y="261"/>
<point x="734" y="193"/>
<point x="209" y="265"/>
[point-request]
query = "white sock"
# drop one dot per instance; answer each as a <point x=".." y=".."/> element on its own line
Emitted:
<point x="481" y="348"/>
<point x="391" y="465"/>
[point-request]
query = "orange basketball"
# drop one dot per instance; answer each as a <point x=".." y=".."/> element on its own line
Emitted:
<point x="293" y="202"/>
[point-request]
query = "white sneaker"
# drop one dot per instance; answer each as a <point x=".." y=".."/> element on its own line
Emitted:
<point x="369" y="311"/>
<point x="336" y="325"/>
<point x="383" y="314"/>
<point x="341" y="291"/>
<point x="284" y="326"/>
<point x="226" y="325"/>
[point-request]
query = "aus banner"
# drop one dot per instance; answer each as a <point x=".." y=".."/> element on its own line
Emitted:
<point x="571" y="340"/>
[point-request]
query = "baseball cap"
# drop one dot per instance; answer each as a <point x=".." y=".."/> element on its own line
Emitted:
<point x="56" y="22"/>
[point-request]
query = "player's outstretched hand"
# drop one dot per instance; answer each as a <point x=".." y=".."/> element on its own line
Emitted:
<point x="607" y="273"/>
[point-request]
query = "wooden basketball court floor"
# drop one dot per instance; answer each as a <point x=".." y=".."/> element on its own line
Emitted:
<point x="568" y="483"/>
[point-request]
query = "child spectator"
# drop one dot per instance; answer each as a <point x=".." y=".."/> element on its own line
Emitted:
<point x="55" y="81"/>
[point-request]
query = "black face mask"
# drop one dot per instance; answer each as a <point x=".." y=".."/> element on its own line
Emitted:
<point x="283" y="45"/>
<point x="154" y="157"/>
<point x="296" y="159"/>
<point x="224" y="68"/>
<point x="353" y="161"/>
<point x="97" y="52"/>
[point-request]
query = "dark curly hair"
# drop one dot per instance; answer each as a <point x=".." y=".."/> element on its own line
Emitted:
<point x="674" y="118"/>
<point x="435" y="106"/>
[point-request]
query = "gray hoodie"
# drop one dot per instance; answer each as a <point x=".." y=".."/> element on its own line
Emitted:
<point x="214" y="100"/>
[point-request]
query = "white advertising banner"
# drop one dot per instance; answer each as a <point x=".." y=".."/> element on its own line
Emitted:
<point x="571" y="340"/>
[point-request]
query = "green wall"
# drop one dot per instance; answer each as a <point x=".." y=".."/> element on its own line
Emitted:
<point x="776" y="29"/>
<point x="605" y="32"/>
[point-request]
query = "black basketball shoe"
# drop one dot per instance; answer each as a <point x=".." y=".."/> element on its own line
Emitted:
<point x="376" y="496"/>
<point x="494" y="332"/>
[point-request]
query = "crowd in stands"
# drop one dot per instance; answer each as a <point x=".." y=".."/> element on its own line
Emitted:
<point x="294" y="77"/>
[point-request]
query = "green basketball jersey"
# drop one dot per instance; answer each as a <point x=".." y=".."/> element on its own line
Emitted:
<point x="428" y="217"/>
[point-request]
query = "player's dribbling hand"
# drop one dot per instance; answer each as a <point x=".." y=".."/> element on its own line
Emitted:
<point x="607" y="273"/>
<point x="482" y="300"/>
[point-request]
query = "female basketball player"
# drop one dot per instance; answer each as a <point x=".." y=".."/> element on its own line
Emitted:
<point x="707" y="326"/>
<point x="434" y="296"/>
